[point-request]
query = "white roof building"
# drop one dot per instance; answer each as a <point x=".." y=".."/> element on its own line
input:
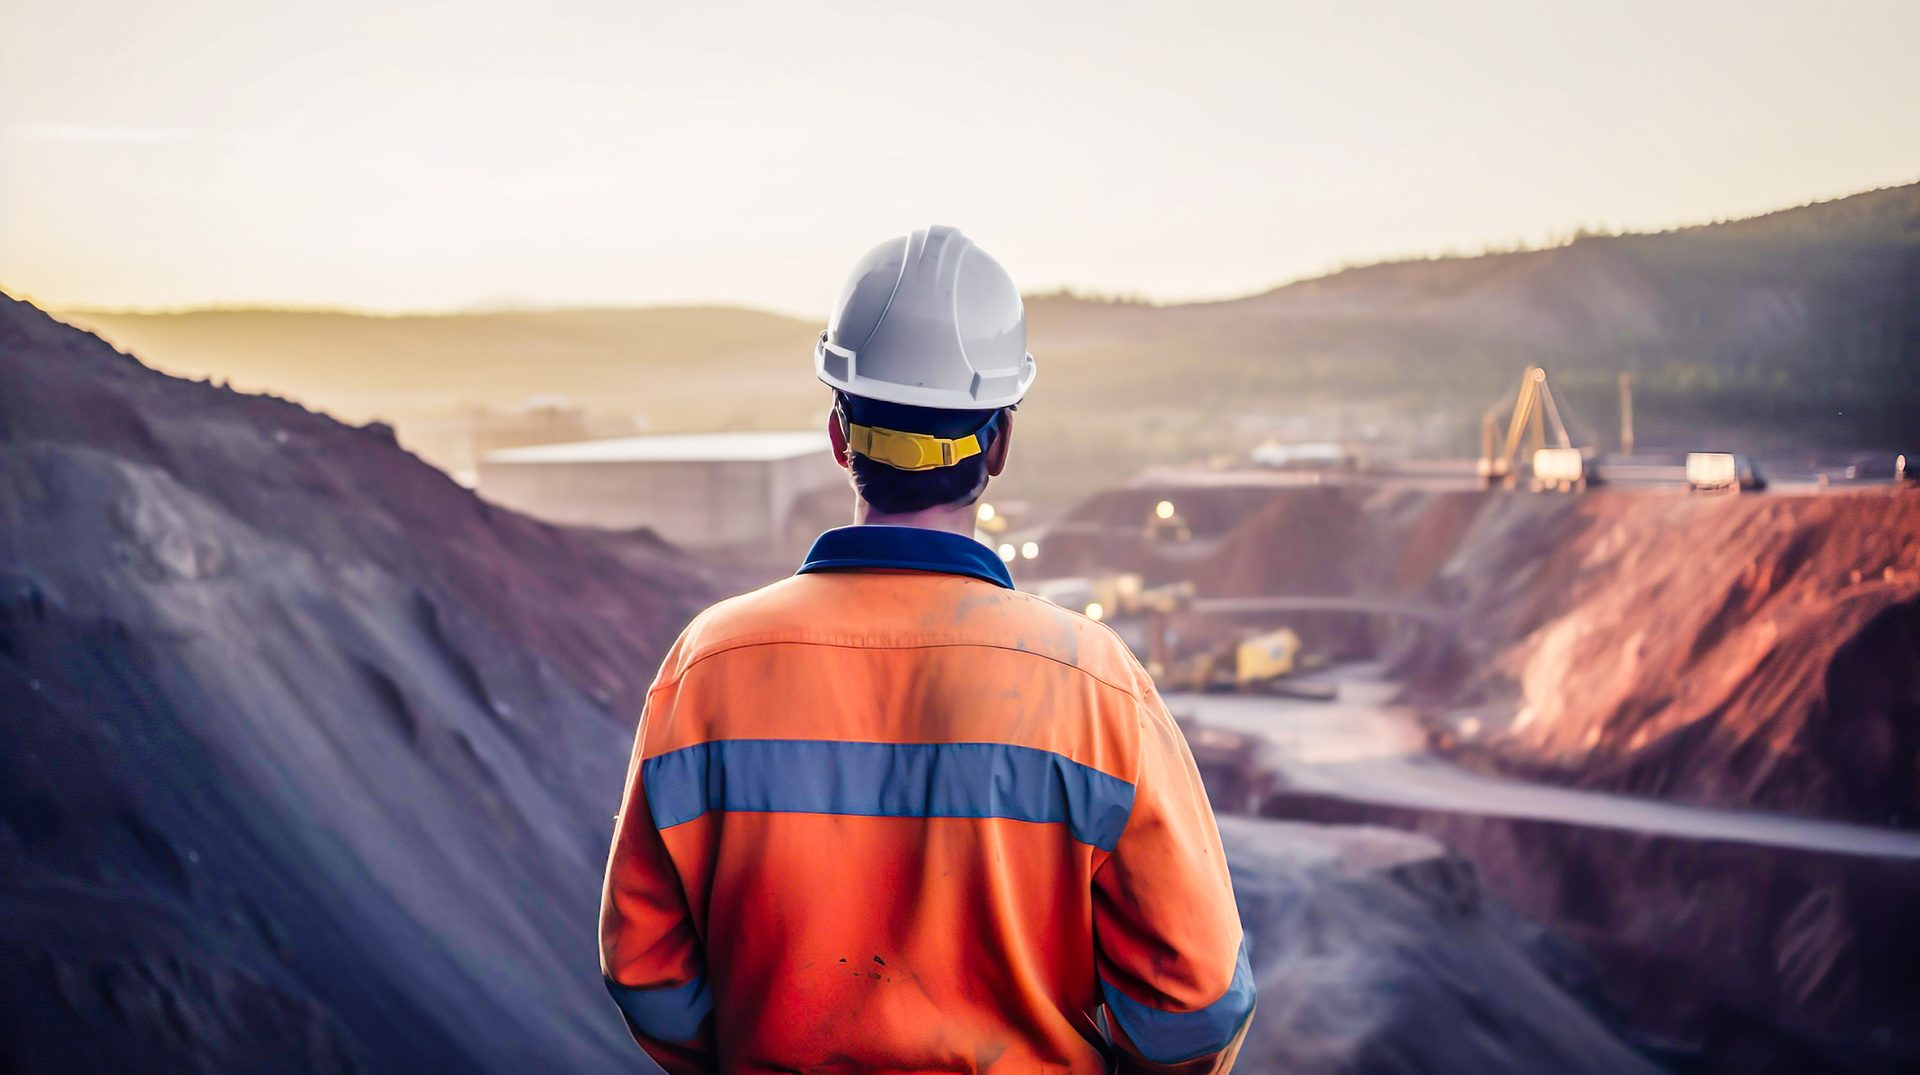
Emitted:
<point x="733" y="492"/>
<point x="673" y="448"/>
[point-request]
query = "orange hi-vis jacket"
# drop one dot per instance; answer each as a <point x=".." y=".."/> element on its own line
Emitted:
<point x="893" y="815"/>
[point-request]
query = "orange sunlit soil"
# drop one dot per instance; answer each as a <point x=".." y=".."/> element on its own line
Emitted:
<point x="1735" y="651"/>
<point x="1751" y="650"/>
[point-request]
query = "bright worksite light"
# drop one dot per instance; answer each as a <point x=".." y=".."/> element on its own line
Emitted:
<point x="1095" y="611"/>
<point x="1007" y="553"/>
<point x="1030" y="550"/>
<point x="986" y="513"/>
<point x="1164" y="509"/>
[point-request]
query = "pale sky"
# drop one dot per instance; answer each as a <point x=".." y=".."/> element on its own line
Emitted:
<point x="400" y="155"/>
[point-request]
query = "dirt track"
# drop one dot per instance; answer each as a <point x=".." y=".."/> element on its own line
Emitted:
<point x="1363" y="748"/>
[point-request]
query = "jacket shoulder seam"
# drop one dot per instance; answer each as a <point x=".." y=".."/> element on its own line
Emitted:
<point x="691" y="662"/>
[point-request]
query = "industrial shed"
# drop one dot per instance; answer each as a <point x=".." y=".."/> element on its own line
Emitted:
<point x="724" y="492"/>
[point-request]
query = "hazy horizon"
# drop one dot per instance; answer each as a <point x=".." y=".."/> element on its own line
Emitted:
<point x="510" y="306"/>
<point x="513" y="306"/>
<point x="433" y="159"/>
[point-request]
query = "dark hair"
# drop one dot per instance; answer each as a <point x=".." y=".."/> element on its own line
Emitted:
<point x="898" y="492"/>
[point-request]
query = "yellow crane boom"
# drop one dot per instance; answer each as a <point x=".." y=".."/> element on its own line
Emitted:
<point x="1535" y="415"/>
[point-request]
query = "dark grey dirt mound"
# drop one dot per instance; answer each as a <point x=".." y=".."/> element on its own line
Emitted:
<point x="309" y="754"/>
<point x="1378" y="951"/>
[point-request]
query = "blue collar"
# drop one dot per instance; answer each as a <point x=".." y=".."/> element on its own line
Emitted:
<point x="904" y="548"/>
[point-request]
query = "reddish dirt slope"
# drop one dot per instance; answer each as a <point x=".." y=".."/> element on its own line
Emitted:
<point x="1737" y="651"/>
<point x="1759" y="650"/>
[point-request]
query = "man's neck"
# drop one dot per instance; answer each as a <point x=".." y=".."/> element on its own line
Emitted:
<point x="952" y="518"/>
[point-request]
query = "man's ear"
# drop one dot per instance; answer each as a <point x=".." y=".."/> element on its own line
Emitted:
<point x="838" y="435"/>
<point x="997" y="451"/>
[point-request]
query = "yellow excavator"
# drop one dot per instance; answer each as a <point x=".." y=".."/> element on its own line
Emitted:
<point x="1252" y="661"/>
<point x="1559" y="466"/>
<point x="1249" y="663"/>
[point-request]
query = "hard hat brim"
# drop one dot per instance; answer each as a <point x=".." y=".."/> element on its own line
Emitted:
<point x="839" y="367"/>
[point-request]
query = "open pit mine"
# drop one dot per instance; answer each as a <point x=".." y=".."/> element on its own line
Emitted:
<point x="310" y="754"/>
<point x="1681" y="731"/>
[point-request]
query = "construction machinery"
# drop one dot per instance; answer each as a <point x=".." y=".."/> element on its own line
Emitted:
<point x="1164" y="523"/>
<point x="1265" y="656"/>
<point x="1264" y="663"/>
<point x="1722" y="472"/>
<point x="1253" y="662"/>
<point x="1559" y="469"/>
<point x="1109" y="597"/>
<point x="1250" y="661"/>
<point x="1559" y="466"/>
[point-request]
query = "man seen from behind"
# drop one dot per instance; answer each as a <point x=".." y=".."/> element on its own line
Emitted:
<point x="893" y="815"/>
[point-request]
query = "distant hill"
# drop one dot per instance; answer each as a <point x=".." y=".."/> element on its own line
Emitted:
<point x="1797" y="328"/>
<point x="364" y="366"/>
<point x="1780" y="320"/>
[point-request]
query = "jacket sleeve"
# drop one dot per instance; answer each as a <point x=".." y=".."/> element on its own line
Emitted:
<point x="1170" y="954"/>
<point x="650" y="955"/>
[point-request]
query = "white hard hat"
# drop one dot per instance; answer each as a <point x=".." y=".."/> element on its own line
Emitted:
<point x="928" y="320"/>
